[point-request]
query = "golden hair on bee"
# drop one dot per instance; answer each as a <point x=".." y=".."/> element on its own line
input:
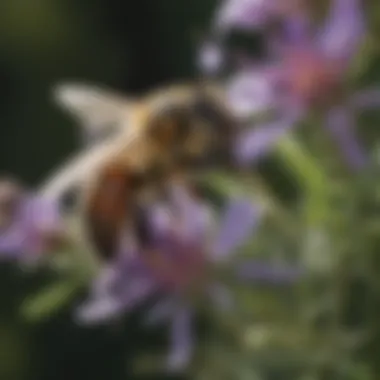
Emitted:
<point x="178" y="129"/>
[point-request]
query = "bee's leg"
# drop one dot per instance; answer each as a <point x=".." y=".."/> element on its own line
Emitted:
<point x="108" y="209"/>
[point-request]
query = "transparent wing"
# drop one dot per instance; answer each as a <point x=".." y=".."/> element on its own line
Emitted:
<point x="99" y="111"/>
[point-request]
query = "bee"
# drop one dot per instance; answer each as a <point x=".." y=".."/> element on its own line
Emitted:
<point x="146" y="143"/>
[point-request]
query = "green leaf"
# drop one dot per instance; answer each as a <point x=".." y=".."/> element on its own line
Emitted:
<point x="41" y="306"/>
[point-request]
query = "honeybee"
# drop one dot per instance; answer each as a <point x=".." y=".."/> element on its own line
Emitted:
<point x="165" y="136"/>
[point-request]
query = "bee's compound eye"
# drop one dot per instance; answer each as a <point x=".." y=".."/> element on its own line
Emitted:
<point x="217" y="129"/>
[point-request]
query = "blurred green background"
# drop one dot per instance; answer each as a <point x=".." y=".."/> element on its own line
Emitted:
<point x="134" y="46"/>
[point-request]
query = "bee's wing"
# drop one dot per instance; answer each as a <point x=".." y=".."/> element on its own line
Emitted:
<point x="99" y="111"/>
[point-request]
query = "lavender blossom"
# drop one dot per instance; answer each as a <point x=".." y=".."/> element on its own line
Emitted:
<point x="260" y="14"/>
<point x="250" y="16"/>
<point x="30" y="225"/>
<point x="308" y="73"/>
<point x="181" y="262"/>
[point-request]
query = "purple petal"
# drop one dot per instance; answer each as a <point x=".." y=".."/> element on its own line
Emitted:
<point x="106" y="280"/>
<point x="193" y="216"/>
<point x="252" y="270"/>
<point x="243" y="14"/>
<point x="110" y="305"/>
<point x="210" y="58"/>
<point x="368" y="98"/>
<point x="251" y="15"/>
<point x="35" y="217"/>
<point x="181" y="346"/>
<point x="250" y="92"/>
<point x="344" y="29"/>
<point x="43" y="214"/>
<point x="137" y="291"/>
<point x="134" y="278"/>
<point x="238" y="224"/>
<point x="252" y="144"/>
<point x="161" y="219"/>
<point x="297" y="28"/>
<point x="340" y="123"/>
<point x="99" y="311"/>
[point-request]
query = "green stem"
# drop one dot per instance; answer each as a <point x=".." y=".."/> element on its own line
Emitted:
<point x="41" y="306"/>
<point x="312" y="177"/>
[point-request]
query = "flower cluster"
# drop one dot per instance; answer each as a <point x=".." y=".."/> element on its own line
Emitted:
<point x="187" y="247"/>
<point x="29" y="225"/>
<point x="304" y="68"/>
<point x="182" y="261"/>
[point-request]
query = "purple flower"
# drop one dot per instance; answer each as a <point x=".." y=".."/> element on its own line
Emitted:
<point x="259" y="14"/>
<point x="30" y="225"/>
<point x="179" y="264"/>
<point x="309" y="73"/>
<point x="254" y="15"/>
<point x="247" y="14"/>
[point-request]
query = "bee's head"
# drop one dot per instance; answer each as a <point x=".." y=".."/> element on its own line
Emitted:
<point x="213" y="129"/>
<point x="195" y="127"/>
